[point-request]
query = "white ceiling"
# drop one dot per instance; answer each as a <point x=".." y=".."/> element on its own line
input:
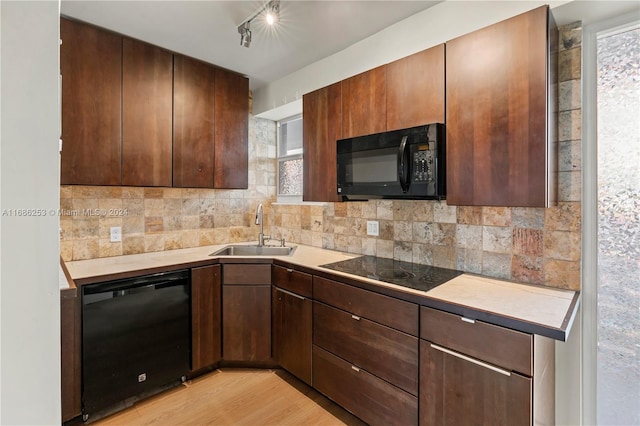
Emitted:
<point x="207" y="30"/>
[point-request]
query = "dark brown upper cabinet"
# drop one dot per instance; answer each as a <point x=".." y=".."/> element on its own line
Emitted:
<point x="364" y="103"/>
<point x="231" y="158"/>
<point x="321" y="127"/>
<point x="90" y="63"/>
<point x="210" y="126"/>
<point x="193" y="123"/>
<point x="147" y="81"/>
<point x="500" y="106"/>
<point x="415" y="89"/>
<point x="137" y="115"/>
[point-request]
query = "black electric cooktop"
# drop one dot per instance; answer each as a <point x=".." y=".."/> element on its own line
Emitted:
<point x="406" y="274"/>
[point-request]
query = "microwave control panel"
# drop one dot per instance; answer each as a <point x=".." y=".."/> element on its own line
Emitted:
<point x="423" y="163"/>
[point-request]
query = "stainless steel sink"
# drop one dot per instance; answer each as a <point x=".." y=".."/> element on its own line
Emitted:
<point x="253" y="250"/>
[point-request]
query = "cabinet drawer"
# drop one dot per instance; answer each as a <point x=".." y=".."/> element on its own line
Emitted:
<point x="368" y="397"/>
<point x="386" y="310"/>
<point x="496" y="345"/>
<point x="383" y="351"/>
<point x="295" y="281"/>
<point x="241" y="273"/>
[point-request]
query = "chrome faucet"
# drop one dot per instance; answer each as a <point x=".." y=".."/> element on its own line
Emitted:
<point x="259" y="221"/>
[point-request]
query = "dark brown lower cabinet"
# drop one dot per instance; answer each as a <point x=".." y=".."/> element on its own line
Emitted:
<point x="71" y="354"/>
<point x="456" y="389"/>
<point x="388" y="353"/>
<point x="206" y="316"/>
<point x="246" y="313"/>
<point x="372" y="399"/>
<point x="246" y="323"/>
<point x="292" y="332"/>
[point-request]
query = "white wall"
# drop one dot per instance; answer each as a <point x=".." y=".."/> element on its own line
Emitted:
<point x="29" y="179"/>
<point x="442" y="22"/>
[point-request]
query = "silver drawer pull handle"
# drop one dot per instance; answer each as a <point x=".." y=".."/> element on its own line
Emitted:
<point x="354" y="368"/>
<point x="297" y="296"/>
<point x="469" y="320"/>
<point x="472" y="360"/>
<point x="289" y="270"/>
<point x="355" y="317"/>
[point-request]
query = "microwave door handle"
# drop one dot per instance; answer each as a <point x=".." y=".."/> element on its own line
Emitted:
<point x="402" y="167"/>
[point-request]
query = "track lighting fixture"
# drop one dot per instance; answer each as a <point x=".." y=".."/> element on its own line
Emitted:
<point x="245" y="34"/>
<point x="271" y="12"/>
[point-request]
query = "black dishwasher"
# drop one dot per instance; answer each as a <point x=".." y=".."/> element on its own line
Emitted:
<point x="136" y="339"/>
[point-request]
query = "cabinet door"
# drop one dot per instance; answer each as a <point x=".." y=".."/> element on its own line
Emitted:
<point x="193" y="123"/>
<point x="231" y="159"/>
<point x="321" y="127"/>
<point x="71" y="355"/>
<point x="364" y="103"/>
<point x="205" y="316"/>
<point x="292" y="333"/>
<point x="496" y="89"/>
<point x="91" y="65"/>
<point x="459" y="390"/>
<point x="147" y="79"/>
<point x="246" y="323"/>
<point x="415" y="89"/>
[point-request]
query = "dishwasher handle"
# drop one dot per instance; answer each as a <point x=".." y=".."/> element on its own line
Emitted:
<point x="160" y="280"/>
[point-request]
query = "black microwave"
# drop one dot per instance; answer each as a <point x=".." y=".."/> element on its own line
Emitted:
<point x="407" y="163"/>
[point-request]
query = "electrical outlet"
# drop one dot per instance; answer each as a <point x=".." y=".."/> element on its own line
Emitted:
<point x="116" y="234"/>
<point x="373" y="228"/>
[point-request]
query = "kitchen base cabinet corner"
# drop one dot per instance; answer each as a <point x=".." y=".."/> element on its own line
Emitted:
<point x="246" y="313"/>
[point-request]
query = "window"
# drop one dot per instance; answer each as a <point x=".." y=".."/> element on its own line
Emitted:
<point x="611" y="223"/>
<point x="290" y="159"/>
<point x="618" y="288"/>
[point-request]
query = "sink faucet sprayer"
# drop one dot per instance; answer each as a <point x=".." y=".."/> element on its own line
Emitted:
<point x="259" y="221"/>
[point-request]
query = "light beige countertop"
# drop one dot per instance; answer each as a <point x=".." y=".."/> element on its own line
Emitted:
<point x="549" y="307"/>
<point x="62" y="279"/>
<point x="82" y="269"/>
<point x="530" y="308"/>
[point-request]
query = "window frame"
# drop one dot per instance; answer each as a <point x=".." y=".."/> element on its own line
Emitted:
<point x="285" y="198"/>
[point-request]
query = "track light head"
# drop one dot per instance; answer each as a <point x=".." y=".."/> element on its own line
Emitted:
<point x="245" y="33"/>
<point x="271" y="13"/>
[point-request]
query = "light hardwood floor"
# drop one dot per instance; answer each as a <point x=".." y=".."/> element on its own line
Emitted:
<point x="236" y="397"/>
